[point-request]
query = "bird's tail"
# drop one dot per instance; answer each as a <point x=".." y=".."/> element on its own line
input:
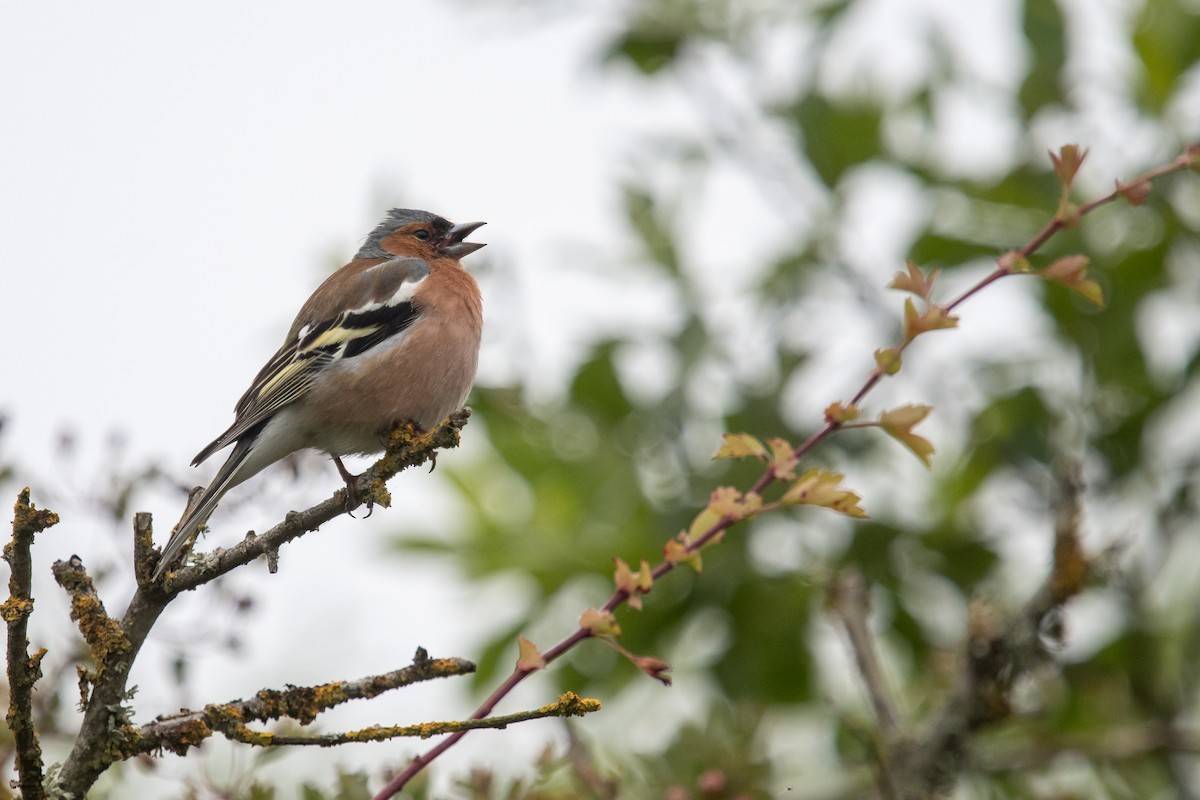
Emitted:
<point x="181" y="540"/>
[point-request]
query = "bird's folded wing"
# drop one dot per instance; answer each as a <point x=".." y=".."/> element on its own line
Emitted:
<point x="374" y="306"/>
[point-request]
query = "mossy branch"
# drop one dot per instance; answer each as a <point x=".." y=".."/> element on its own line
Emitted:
<point x="106" y="734"/>
<point x="24" y="670"/>
<point x="180" y="732"/>
<point x="567" y="705"/>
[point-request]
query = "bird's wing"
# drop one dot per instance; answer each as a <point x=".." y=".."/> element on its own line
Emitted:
<point x="345" y="317"/>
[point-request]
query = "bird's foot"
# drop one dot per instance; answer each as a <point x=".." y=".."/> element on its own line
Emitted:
<point x="352" y="489"/>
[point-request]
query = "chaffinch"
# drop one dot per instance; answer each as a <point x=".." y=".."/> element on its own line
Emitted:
<point x="393" y="335"/>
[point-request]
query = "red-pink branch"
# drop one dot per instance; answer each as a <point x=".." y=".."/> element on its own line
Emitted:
<point x="1190" y="158"/>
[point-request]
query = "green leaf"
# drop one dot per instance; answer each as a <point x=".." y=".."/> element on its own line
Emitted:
<point x="837" y="135"/>
<point x="1167" y="39"/>
<point x="650" y="50"/>
<point x="597" y="387"/>
<point x="653" y="227"/>
<point x="1045" y="32"/>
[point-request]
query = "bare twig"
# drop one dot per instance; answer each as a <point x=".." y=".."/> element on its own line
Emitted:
<point x="24" y="670"/>
<point x="850" y="601"/>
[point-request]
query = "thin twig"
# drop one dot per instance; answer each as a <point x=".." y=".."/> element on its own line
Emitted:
<point x="567" y="705"/>
<point x="850" y="601"/>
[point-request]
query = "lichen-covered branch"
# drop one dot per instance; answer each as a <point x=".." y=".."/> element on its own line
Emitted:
<point x="179" y="732"/>
<point x="105" y="640"/>
<point x="24" y="669"/>
<point x="407" y="448"/>
<point x="106" y="734"/>
<point x="567" y="705"/>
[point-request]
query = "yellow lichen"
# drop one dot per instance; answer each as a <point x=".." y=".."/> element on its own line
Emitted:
<point x="14" y="608"/>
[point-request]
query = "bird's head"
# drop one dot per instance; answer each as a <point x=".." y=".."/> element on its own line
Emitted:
<point x="408" y="232"/>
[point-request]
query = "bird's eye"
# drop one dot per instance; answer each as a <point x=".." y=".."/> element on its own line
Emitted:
<point x="422" y="234"/>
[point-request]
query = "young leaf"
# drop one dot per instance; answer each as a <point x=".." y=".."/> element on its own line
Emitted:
<point x="645" y="578"/>
<point x="726" y="501"/>
<point x="703" y="523"/>
<point x="677" y="552"/>
<point x="654" y="667"/>
<point x="782" y="459"/>
<point x="1071" y="271"/>
<point x="915" y="281"/>
<point x="1134" y="193"/>
<point x="600" y="623"/>
<point x="629" y="582"/>
<point x="529" y="658"/>
<point x="740" y="445"/>
<point x="1014" y="263"/>
<point x="904" y="417"/>
<point x="934" y="318"/>
<point x="899" y="422"/>
<point x="912" y="320"/>
<point x="633" y="584"/>
<point x="818" y="487"/>
<point x="888" y="360"/>
<point x="839" y="413"/>
<point x="1067" y="163"/>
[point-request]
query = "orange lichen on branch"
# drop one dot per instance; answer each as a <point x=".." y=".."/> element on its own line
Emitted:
<point x="105" y="638"/>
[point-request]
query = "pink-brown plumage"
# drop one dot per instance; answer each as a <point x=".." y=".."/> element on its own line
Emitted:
<point x="393" y="335"/>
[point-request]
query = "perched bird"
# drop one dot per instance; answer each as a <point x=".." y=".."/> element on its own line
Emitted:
<point x="393" y="335"/>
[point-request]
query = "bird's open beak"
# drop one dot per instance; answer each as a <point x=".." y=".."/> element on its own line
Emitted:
<point x="454" y="246"/>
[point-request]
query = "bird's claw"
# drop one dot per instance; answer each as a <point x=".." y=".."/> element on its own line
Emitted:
<point x="351" y="495"/>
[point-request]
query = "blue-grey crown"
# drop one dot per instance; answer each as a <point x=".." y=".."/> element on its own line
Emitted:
<point x="396" y="218"/>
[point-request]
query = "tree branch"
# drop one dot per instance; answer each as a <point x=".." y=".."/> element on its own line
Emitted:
<point x="179" y="732"/>
<point x="568" y="704"/>
<point x="106" y="734"/>
<point x="407" y="447"/>
<point x="24" y="670"/>
<point x="849" y="600"/>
